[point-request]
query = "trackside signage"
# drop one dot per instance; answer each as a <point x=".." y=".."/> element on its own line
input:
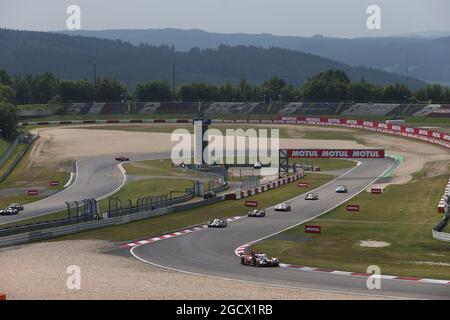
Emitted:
<point x="376" y="191"/>
<point x="33" y="192"/>
<point x="313" y="229"/>
<point x="54" y="183"/>
<point x="303" y="185"/>
<point x="353" y="207"/>
<point x="252" y="204"/>
<point x="336" y="153"/>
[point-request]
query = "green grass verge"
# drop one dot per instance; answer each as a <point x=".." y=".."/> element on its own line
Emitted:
<point x="156" y="226"/>
<point x="152" y="168"/>
<point x="402" y="216"/>
<point x="4" y="145"/>
<point x="14" y="155"/>
<point x="141" y="188"/>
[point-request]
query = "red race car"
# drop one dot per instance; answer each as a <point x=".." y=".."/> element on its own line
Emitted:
<point x="257" y="259"/>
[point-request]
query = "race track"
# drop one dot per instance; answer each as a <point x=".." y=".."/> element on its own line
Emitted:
<point x="211" y="251"/>
<point x="96" y="178"/>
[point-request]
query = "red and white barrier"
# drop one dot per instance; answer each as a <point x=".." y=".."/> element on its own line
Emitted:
<point x="434" y="137"/>
<point x="265" y="187"/>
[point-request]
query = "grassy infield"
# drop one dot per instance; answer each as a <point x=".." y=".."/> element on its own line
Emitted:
<point x="405" y="224"/>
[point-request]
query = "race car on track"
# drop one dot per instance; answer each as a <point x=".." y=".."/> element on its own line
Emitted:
<point x="257" y="213"/>
<point x="257" y="259"/>
<point x="283" y="207"/>
<point x="9" y="212"/>
<point x="257" y="165"/>
<point x="16" y="206"/>
<point x="122" y="158"/>
<point x="209" y="194"/>
<point x="217" y="223"/>
<point x="312" y="196"/>
<point x="341" y="189"/>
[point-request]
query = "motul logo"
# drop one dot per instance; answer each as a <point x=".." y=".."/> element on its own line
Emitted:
<point x="338" y="153"/>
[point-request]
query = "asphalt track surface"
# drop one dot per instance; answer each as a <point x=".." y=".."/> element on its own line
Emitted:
<point x="211" y="251"/>
<point x="96" y="177"/>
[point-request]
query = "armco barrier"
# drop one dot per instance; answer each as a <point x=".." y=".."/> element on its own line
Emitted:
<point x="92" y="225"/>
<point x="17" y="160"/>
<point x="442" y="236"/>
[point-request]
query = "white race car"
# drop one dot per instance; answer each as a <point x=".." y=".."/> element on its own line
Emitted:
<point x="217" y="223"/>
<point x="312" y="196"/>
<point x="283" y="207"/>
<point x="256" y="213"/>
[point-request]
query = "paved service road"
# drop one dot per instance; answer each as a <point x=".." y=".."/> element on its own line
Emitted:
<point x="211" y="251"/>
<point x="96" y="178"/>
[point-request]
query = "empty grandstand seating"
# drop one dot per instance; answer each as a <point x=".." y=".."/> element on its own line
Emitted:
<point x="113" y="108"/>
<point x="368" y="109"/>
<point x="443" y="111"/>
<point x="148" y="108"/>
<point x="406" y="110"/>
<point x="178" y="108"/>
<point x="230" y="107"/>
<point x="429" y="109"/>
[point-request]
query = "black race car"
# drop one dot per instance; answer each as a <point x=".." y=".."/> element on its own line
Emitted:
<point x="257" y="259"/>
<point x="209" y="194"/>
<point x="122" y="158"/>
<point x="341" y="189"/>
<point x="16" y="206"/>
<point x="257" y="213"/>
<point x="217" y="223"/>
<point x="312" y="196"/>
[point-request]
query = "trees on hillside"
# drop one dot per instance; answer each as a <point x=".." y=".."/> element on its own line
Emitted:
<point x="331" y="85"/>
<point x="8" y="120"/>
<point x="153" y="91"/>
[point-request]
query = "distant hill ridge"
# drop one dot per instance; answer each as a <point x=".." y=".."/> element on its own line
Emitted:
<point x="424" y="55"/>
<point x="72" y="57"/>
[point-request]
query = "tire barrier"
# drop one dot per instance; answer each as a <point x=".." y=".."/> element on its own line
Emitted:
<point x="2" y="296"/>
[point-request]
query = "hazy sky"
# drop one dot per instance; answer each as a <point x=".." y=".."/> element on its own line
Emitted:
<point x="341" y="18"/>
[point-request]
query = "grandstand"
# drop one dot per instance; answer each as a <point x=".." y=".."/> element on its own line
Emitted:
<point x="246" y="108"/>
<point x="178" y="108"/>
<point x="230" y="107"/>
<point x="406" y="110"/>
<point x="368" y="109"/>
<point x="427" y="110"/>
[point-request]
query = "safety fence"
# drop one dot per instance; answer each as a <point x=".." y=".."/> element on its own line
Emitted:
<point x="444" y="202"/>
<point x="53" y="229"/>
<point x="16" y="161"/>
<point x="8" y="152"/>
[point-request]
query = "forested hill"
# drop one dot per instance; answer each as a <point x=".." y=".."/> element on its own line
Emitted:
<point x="72" y="57"/>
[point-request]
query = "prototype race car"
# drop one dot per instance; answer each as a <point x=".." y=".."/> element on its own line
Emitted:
<point x="257" y="165"/>
<point x="16" y="206"/>
<point x="341" y="189"/>
<point x="257" y="259"/>
<point x="209" y="194"/>
<point x="312" y="196"/>
<point x="283" y="207"/>
<point x="217" y="223"/>
<point x="256" y="213"/>
<point x="9" y="212"/>
<point x="122" y="158"/>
